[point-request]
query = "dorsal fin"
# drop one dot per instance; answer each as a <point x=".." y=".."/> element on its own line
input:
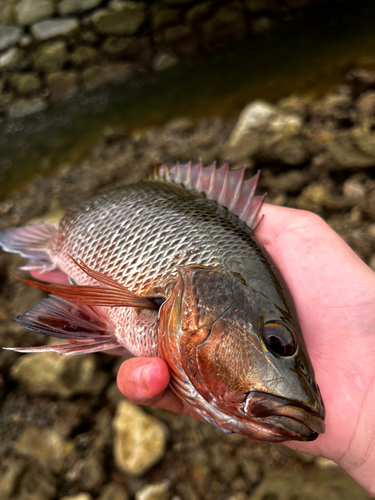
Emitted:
<point x="225" y="186"/>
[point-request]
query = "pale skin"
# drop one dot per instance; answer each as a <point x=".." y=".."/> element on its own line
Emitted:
<point x="334" y="294"/>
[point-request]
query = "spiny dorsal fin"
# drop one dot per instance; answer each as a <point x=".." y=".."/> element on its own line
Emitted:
<point x="225" y="186"/>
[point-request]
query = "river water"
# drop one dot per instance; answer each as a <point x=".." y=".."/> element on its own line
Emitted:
<point x="305" y="56"/>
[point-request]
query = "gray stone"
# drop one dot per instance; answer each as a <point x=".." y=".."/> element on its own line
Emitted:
<point x="98" y="76"/>
<point x="164" y="60"/>
<point x="50" y="28"/>
<point x="51" y="56"/>
<point x="309" y="484"/>
<point x="62" y="85"/>
<point x="158" y="491"/>
<point x="25" y="83"/>
<point x="139" y="439"/>
<point x="55" y="374"/>
<point x="13" y="58"/>
<point x="31" y="11"/>
<point x="253" y="116"/>
<point x="9" y="35"/>
<point x="113" y="491"/>
<point x="69" y="6"/>
<point x="47" y="446"/>
<point x="123" y="18"/>
<point x="353" y="189"/>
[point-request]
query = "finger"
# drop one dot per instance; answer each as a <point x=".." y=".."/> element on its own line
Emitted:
<point x="143" y="380"/>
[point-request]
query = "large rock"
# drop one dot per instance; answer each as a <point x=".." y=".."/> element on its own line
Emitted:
<point x="70" y="6"/>
<point x="51" y="56"/>
<point x="55" y="374"/>
<point x="47" y="446"/>
<point x="139" y="439"/>
<point x="123" y="18"/>
<point x="310" y="484"/>
<point x="54" y="27"/>
<point x="31" y="11"/>
<point x="9" y="35"/>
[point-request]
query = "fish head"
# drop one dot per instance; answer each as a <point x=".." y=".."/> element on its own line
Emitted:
<point x="238" y="358"/>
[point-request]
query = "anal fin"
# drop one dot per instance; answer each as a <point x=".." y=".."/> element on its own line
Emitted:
<point x="82" y="326"/>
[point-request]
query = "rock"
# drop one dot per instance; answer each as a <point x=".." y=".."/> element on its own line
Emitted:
<point x="25" y="107"/>
<point x="309" y="484"/>
<point x="69" y="6"/>
<point x="262" y="25"/>
<point x="51" y="28"/>
<point x="9" y="35"/>
<point x="158" y="491"/>
<point x="313" y="197"/>
<point x="37" y="482"/>
<point x="164" y="60"/>
<point x="97" y="76"/>
<point x="290" y="182"/>
<point x="12" y="59"/>
<point x="294" y="105"/>
<point x="228" y="24"/>
<point x="290" y="151"/>
<point x="88" y="473"/>
<point x="353" y="189"/>
<point x="198" y="12"/>
<point x="139" y="439"/>
<point x="31" y="11"/>
<point x="366" y="104"/>
<point x="83" y="55"/>
<point x="10" y="476"/>
<point x="344" y="152"/>
<point x="131" y="48"/>
<point x="256" y="5"/>
<point x="25" y="83"/>
<point x="364" y="139"/>
<point x="80" y="496"/>
<point x="162" y="17"/>
<point x="124" y="18"/>
<point x="113" y="491"/>
<point x="361" y="80"/>
<point x="62" y="85"/>
<point x="47" y="446"/>
<point x="254" y="115"/>
<point x="7" y="15"/>
<point x="51" y="56"/>
<point x="55" y="374"/>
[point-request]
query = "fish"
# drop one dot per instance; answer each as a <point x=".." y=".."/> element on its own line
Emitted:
<point x="171" y="267"/>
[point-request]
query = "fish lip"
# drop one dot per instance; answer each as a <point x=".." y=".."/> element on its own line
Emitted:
<point x="294" y="418"/>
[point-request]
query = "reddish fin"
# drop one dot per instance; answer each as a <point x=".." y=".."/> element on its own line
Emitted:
<point x="112" y="294"/>
<point x="82" y="326"/>
<point x="31" y="242"/>
<point x="225" y="186"/>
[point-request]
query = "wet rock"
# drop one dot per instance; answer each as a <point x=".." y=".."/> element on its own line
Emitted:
<point x="25" y="83"/>
<point x="310" y="484"/>
<point x="9" y="35"/>
<point x="139" y="439"/>
<point x="44" y="30"/>
<point x="12" y="59"/>
<point x="123" y="18"/>
<point x="158" y="491"/>
<point x="47" y="446"/>
<point x="83" y="55"/>
<point x="51" y="56"/>
<point x="198" y="12"/>
<point x="162" y="17"/>
<point x="113" y="491"/>
<point x="25" y="107"/>
<point x="55" y="374"/>
<point x="97" y="76"/>
<point x="62" y="85"/>
<point x="163" y="60"/>
<point x="228" y="24"/>
<point x="31" y="11"/>
<point x="70" y="6"/>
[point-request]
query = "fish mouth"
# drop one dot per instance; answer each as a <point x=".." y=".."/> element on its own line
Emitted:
<point x="289" y="419"/>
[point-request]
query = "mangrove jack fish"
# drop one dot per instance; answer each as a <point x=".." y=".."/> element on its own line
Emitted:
<point x="170" y="267"/>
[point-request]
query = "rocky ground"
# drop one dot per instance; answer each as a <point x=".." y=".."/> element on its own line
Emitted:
<point x="65" y="429"/>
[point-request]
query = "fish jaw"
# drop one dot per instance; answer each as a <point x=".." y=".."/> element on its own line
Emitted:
<point x="207" y="387"/>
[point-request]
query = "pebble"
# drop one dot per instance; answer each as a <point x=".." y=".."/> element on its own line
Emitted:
<point x="254" y="115"/>
<point x="139" y="439"/>
<point x="353" y="189"/>
<point x="158" y="491"/>
<point x="59" y="375"/>
<point x="44" y="30"/>
<point x="9" y="35"/>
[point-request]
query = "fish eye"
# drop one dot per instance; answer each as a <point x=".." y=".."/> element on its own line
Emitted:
<point x="279" y="340"/>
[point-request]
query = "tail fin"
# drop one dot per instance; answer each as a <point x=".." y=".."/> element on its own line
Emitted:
<point x="84" y="327"/>
<point x="31" y="242"/>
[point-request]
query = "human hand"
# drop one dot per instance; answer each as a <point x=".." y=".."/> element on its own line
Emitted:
<point x="334" y="294"/>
